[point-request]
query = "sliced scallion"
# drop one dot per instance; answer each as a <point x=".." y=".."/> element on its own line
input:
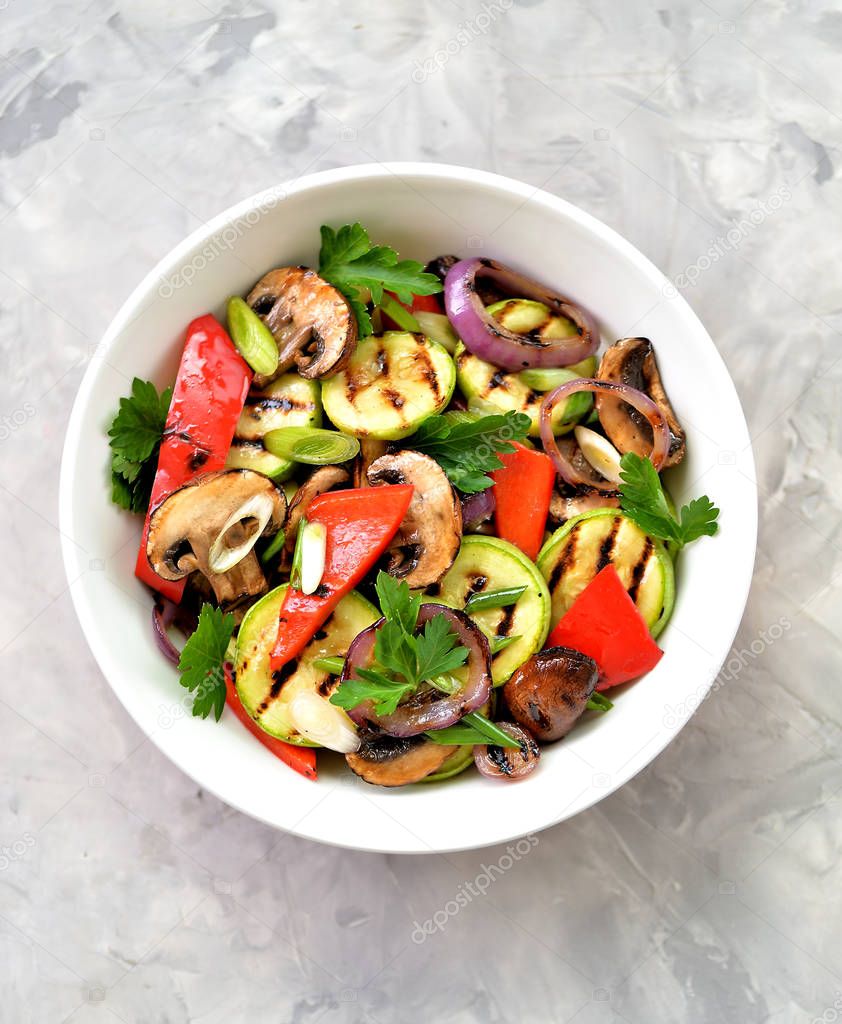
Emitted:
<point x="274" y="547"/>
<point x="332" y="665"/>
<point x="500" y="643"/>
<point x="251" y="337"/>
<point x="599" y="703"/>
<point x="493" y="599"/>
<point x="474" y="729"/>
<point x="311" y="445"/>
<point x="399" y="314"/>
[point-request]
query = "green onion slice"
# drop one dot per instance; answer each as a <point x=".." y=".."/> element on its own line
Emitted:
<point x="311" y="445"/>
<point x="251" y="337"/>
<point x="332" y="665"/>
<point x="474" y="729"/>
<point x="493" y="599"/>
<point x="599" y="703"/>
<point x="400" y="314"/>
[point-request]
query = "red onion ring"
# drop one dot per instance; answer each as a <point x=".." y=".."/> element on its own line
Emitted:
<point x="488" y="339"/>
<point x="163" y="616"/>
<point x="428" y="709"/>
<point x="478" y="508"/>
<point x="636" y="399"/>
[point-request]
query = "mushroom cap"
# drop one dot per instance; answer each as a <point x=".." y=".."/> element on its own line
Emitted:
<point x="427" y="542"/>
<point x="385" y="760"/>
<point x="312" y="322"/>
<point x="233" y="506"/>
<point x="549" y="692"/>
<point x="320" y="481"/>
<point x="632" y="361"/>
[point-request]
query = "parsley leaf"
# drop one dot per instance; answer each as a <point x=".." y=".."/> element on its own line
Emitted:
<point x="402" y="659"/>
<point x="135" y="437"/>
<point x="349" y="261"/>
<point x="643" y="500"/>
<point x="202" y="660"/>
<point x="468" y="450"/>
<point x="438" y="650"/>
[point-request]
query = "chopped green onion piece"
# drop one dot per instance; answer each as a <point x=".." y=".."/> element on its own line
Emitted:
<point x="446" y="683"/>
<point x="311" y="445"/>
<point x="251" y="337"/>
<point x="274" y="547"/>
<point x="599" y="703"/>
<point x="332" y="665"/>
<point x="438" y="328"/>
<point x="493" y="733"/>
<point x="493" y="599"/>
<point x="400" y="314"/>
<point x="456" y="735"/>
<point x="311" y="543"/>
<point x="500" y="643"/>
<point x="297" y="555"/>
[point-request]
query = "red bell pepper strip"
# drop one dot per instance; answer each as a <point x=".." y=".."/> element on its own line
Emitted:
<point x="300" y="759"/>
<point x="210" y="389"/>
<point x="604" y="623"/>
<point x="522" y="491"/>
<point x="359" y="523"/>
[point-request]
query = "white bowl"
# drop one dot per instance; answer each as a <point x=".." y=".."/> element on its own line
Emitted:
<point x="423" y="210"/>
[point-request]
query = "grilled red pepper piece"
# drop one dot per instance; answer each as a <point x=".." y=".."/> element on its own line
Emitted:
<point x="359" y="523"/>
<point x="300" y="759"/>
<point x="604" y="623"/>
<point x="211" y="387"/>
<point x="522" y="491"/>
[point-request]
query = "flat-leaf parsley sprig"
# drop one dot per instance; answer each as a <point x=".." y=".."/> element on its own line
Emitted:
<point x="202" y="662"/>
<point x="642" y="498"/>
<point x="402" y="660"/>
<point x="468" y="450"/>
<point x="351" y="263"/>
<point x="135" y="437"/>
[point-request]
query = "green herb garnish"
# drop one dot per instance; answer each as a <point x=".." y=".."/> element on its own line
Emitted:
<point x="402" y="660"/>
<point x="332" y="665"/>
<point x="467" y="451"/>
<point x="492" y="599"/>
<point x="135" y="438"/>
<point x="597" y="702"/>
<point x="471" y="730"/>
<point x="350" y="262"/>
<point x="202" y="661"/>
<point x="643" y="500"/>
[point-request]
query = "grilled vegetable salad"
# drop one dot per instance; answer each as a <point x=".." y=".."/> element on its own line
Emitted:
<point x="405" y="514"/>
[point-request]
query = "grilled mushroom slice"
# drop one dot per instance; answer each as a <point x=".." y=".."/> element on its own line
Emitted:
<point x="385" y="760"/>
<point x="315" y="328"/>
<point x="548" y="693"/>
<point x="211" y="526"/>
<point x="567" y="502"/>
<point x="370" y="449"/>
<point x="427" y="543"/>
<point x="632" y="361"/>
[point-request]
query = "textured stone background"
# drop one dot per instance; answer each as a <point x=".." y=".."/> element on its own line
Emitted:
<point x="706" y="890"/>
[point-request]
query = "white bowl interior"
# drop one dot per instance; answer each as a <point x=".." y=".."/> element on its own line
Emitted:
<point x="423" y="210"/>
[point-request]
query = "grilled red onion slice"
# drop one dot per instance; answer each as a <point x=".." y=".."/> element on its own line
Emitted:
<point x="506" y="762"/>
<point x="163" y="616"/>
<point x="636" y="399"/>
<point x="430" y="708"/>
<point x="478" y="509"/>
<point x="489" y="340"/>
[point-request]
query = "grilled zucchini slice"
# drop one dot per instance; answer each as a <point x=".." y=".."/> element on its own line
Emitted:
<point x="577" y="551"/>
<point x="489" y="386"/>
<point x="289" y="401"/>
<point x="393" y="382"/>
<point x="488" y="563"/>
<point x="267" y="697"/>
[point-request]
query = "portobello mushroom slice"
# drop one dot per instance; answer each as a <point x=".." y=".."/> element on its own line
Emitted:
<point x="312" y="322"/>
<point x="632" y="361"/>
<point x="567" y="502"/>
<point x="548" y="693"/>
<point x="211" y="526"/>
<point x="385" y="760"/>
<point x="427" y="542"/>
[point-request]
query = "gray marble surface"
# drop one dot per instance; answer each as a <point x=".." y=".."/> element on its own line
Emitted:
<point x="709" y="889"/>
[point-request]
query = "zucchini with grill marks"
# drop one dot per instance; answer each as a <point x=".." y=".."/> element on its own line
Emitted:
<point x="577" y="551"/>
<point x="489" y="386"/>
<point x="267" y="696"/>
<point x="289" y="401"/>
<point x="393" y="382"/>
